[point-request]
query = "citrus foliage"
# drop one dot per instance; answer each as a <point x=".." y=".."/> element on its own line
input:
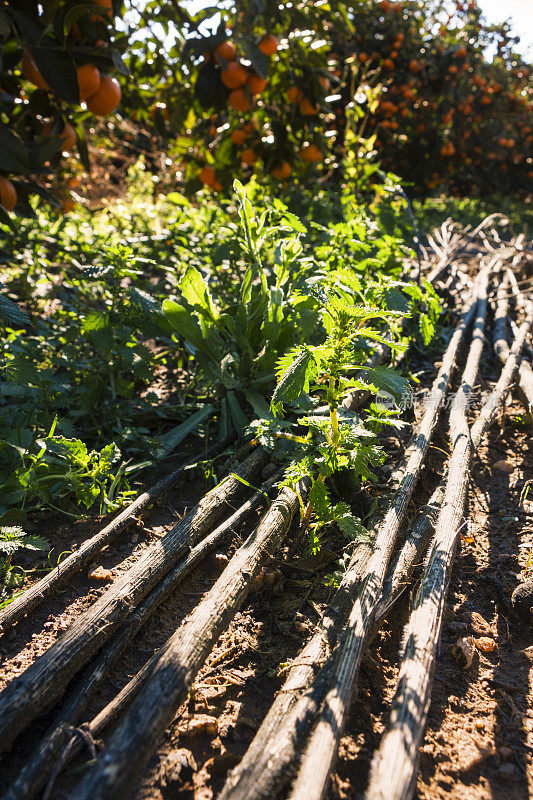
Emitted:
<point x="55" y="56"/>
<point x="282" y="90"/>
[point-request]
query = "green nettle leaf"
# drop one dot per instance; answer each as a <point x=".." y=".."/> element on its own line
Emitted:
<point x="293" y="381"/>
<point x="427" y="329"/>
<point x="319" y="498"/>
<point x="389" y="381"/>
<point x="11" y="314"/>
<point x="350" y="526"/>
<point x="397" y="301"/>
<point x="183" y="322"/>
<point x="13" y="538"/>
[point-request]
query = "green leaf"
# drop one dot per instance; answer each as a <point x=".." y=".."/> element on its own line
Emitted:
<point x="183" y="322"/>
<point x="11" y="314"/>
<point x="194" y="290"/>
<point x="171" y="439"/>
<point x="13" y="154"/>
<point x="238" y="417"/>
<point x="389" y="381"/>
<point x="259" y="60"/>
<point x="293" y="380"/>
<point x="51" y="56"/>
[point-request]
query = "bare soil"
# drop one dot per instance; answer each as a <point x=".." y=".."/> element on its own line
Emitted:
<point x="479" y="738"/>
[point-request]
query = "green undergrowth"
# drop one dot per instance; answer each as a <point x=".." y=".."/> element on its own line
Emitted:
<point x="128" y="330"/>
<point x="432" y="212"/>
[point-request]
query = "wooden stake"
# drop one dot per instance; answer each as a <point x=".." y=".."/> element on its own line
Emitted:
<point x="44" y="681"/>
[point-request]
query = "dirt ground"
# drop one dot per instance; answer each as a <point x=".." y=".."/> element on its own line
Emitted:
<point x="479" y="738"/>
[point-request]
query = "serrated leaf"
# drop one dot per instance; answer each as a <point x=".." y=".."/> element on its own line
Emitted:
<point x="389" y="381"/>
<point x="11" y="314"/>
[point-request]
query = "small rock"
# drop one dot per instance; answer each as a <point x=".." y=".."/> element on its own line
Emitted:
<point x="504" y="466"/>
<point x="464" y="651"/>
<point x="100" y="574"/>
<point x="505" y="753"/>
<point x="507" y="770"/>
<point x="485" y="644"/>
<point x="522" y="598"/>
<point x="201" y="725"/>
<point x="176" y="763"/>
<point x="480" y="625"/>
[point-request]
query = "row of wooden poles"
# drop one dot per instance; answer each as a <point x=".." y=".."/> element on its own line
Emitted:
<point x="295" y="749"/>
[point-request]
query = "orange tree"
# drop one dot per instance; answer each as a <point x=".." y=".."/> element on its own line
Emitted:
<point x="261" y="87"/>
<point x="286" y="91"/>
<point x="58" y="65"/>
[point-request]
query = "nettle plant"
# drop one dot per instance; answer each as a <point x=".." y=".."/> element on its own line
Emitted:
<point x="325" y="443"/>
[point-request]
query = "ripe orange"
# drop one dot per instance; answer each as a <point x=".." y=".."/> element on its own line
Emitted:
<point x="107" y="98"/>
<point x="68" y="204"/>
<point x="68" y="134"/>
<point x="238" y="99"/>
<point x="208" y="176"/>
<point x="388" y="64"/>
<point x="31" y="71"/>
<point x="310" y="153"/>
<point x="413" y="65"/>
<point x="282" y="171"/>
<point x="251" y="126"/>
<point x="363" y="57"/>
<point x="294" y="95"/>
<point x="234" y="75"/>
<point x="249" y="156"/>
<point x="447" y="149"/>
<point x="238" y="136"/>
<point x="106" y="5"/>
<point x="8" y="194"/>
<point x="385" y="5"/>
<point x="256" y="83"/>
<point x="307" y="109"/>
<point x="324" y="82"/>
<point x="268" y="44"/>
<point x="89" y="80"/>
<point x="226" y="50"/>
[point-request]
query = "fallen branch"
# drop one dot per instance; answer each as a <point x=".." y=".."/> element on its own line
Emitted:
<point x="394" y="768"/>
<point x="73" y="564"/>
<point x="61" y="736"/>
<point x="44" y="681"/>
<point x="525" y="372"/>
<point x="451" y="248"/>
<point x="136" y="737"/>
<point x="264" y="769"/>
<point x="409" y="556"/>
<point x="319" y="757"/>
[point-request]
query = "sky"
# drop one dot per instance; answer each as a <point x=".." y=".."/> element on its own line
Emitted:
<point x="519" y="11"/>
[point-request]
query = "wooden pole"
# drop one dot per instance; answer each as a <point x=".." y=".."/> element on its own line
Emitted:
<point x="44" y="681"/>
